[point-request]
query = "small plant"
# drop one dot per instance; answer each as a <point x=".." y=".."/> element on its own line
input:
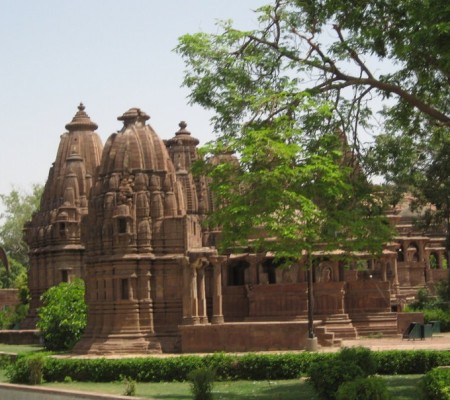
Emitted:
<point x="68" y="379"/>
<point x="436" y="384"/>
<point x="36" y="367"/>
<point x="130" y="386"/>
<point x="202" y="382"/>
<point x="370" y="388"/>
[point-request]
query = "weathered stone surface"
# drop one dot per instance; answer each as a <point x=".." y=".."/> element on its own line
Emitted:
<point x="54" y="232"/>
<point x="143" y="221"/>
<point x="128" y="220"/>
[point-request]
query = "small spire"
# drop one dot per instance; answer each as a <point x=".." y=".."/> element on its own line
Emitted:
<point x="134" y="115"/>
<point x="182" y="130"/>
<point x="81" y="121"/>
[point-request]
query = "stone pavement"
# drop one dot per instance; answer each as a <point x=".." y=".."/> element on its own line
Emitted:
<point x="439" y="341"/>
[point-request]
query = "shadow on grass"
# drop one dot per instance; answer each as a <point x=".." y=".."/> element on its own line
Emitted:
<point x="243" y="390"/>
<point x="404" y="387"/>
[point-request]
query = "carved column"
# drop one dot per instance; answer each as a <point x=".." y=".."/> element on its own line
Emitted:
<point x="190" y="301"/>
<point x="396" y="283"/>
<point x="217" y="262"/>
<point x="203" y="318"/>
<point x="383" y="270"/>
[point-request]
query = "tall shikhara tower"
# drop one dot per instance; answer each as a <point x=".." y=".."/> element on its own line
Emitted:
<point x="143" y="223"/>
<point x="54" y="232"/>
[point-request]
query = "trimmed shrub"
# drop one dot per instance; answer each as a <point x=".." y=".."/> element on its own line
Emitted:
<point x="28" y="369"/>
<point x="227" y="366"/>
<point x="369" y="388"/>
<point x="327" y="375"/>
<point x="393" y="362"/>
<point x="361" y="356"/>
<point x="201" y="383"/>
<point x="436" y="384"/>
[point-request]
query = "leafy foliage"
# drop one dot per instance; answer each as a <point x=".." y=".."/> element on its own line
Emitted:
<point x="436" y="384"/>
<point x="370" y="388"/>
<point x="63" y="315"/>
<point x="201" y="383"/>
<point x="294" y="177"/>
<point x="349" y="364"/>
<point x="19" y="208"/>
<point x="435" y="307"/>
<point x="228" y="367"/>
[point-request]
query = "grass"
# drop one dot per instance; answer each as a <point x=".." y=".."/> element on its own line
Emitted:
<point x="402" y="387"/>
<point x="273" y="390"/>
<point x="20" y="348"/>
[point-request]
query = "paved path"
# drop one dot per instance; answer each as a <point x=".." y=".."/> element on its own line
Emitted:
<point x="439" y="341"/>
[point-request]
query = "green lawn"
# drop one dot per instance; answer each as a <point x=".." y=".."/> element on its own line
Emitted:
<point x="403" y="387"/>
<point x="20" y="348"/>
<point x="286" y="390"/>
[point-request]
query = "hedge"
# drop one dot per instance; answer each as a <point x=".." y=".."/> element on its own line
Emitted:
<point x="228" y="367"/>
<point x="436" y="384"/>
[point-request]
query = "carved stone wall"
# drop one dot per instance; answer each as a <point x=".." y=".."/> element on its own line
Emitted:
<point x="54" y="232"/>
<point x="143" y="220"/>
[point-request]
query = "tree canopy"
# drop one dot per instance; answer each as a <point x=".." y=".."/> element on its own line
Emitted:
<point x="291" y="103"/>
<point x="18" y="209"/>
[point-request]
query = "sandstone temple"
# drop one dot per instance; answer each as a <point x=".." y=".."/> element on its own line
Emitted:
<point x="127" y="217"/>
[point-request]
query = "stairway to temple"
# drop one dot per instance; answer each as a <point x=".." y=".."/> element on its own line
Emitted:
<point x="326" y="338"/>
<point x="384" y="323"/>
<point x="340" y="325"/>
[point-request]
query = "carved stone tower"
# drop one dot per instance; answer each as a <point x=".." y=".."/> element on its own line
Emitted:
<point x="139" y="231"/>
<point x="53" y="235"/>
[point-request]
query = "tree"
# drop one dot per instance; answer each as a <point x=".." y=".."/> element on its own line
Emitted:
<point x="63" y="316"/>
<point x="297" y="176"/>
<point x="295" y="187"/>
<point x="357" y="57"/>
<point x="19" y="207"/>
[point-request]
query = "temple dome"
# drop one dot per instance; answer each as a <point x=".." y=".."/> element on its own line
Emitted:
<point x="136" y="146"/>
<point x="135" y="191"/>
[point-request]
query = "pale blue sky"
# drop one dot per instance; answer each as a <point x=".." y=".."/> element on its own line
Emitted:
<point x="111" y="55"/>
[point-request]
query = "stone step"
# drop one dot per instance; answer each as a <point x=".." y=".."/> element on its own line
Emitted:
<point x="384" y="323"/>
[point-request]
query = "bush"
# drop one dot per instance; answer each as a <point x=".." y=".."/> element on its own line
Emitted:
<point x="360" y="356"/>
<point x="436" y="384"/>
<point x="130" y="386"/>
<point x="227" y="366"/>
<point x="201" y="383"/>
<point x="370" y="388"/>
<point x="327" y="375"/>
<point x="393" y="362"/>
<point x="436" y="314"/>
<point x="63" y="316"/>
<point x="350" y="363"/>
<point x="27" y="369"/>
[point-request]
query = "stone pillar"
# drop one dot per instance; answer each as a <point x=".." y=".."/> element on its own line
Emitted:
<point x="252" y="276"/>
<point x="217" y="262"/>
<point x="383" y="270"/>
<point x="396" y="283"/>
<point x="190" y="301"/>
<point x="203" y="317"/>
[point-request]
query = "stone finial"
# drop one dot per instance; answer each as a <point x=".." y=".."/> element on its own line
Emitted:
<point x="81" y="121"/>
<point x="182" y="130"/>
<point x="133" y="115"/>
